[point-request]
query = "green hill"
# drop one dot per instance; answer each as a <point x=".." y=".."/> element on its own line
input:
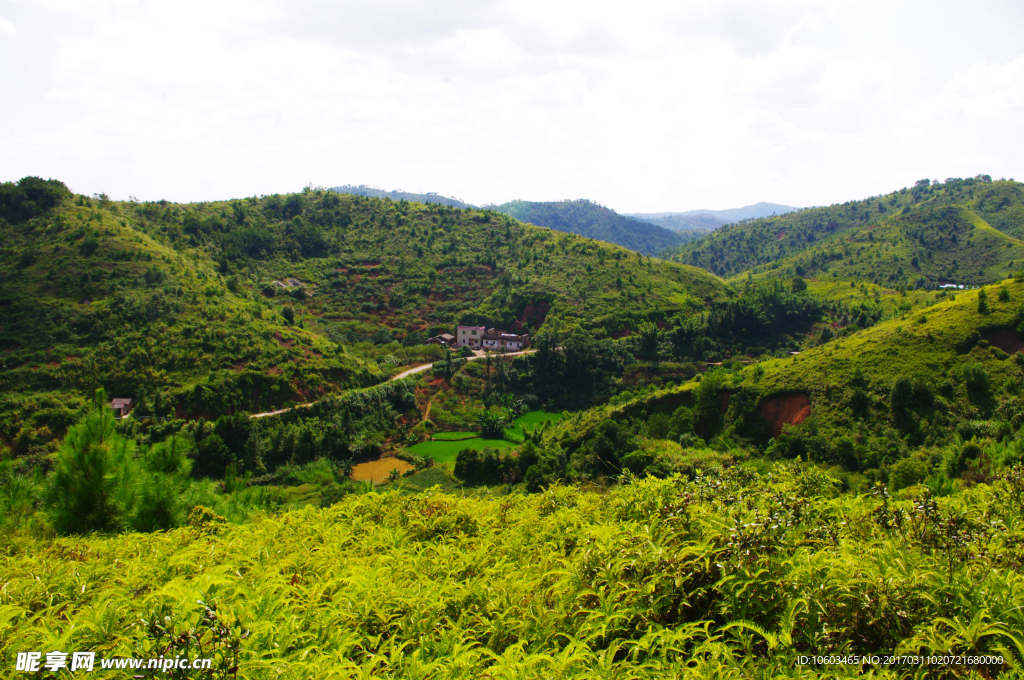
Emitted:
<point x="93" y="293"/>
<point x="182" y="299"/>
<point x="708" y="220"/>
<point x="930" y="223"/>
<point x="924" y="248"/>
<point x="594" y="221"/>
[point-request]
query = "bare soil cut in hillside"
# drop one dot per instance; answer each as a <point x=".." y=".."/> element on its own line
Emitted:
<point x="1006" y="339"/>
<point x="785" y="409"/>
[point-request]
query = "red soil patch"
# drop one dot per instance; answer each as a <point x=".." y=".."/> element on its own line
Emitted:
<point x="785" y="409"/>
<point x="274" y="371"/>
<point x="53" y="364"/>
<point x="780" y="234"/>
<point x="1006" y="339"/>
<point x="240" y="366"/>
<point x="535" y="314"/>
<point x="71" y="357"/>
<point x="623" y="334"/>
<point x="281" y="341"/>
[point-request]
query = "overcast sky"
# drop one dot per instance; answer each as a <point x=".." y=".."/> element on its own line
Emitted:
<point x="643" y="107"/>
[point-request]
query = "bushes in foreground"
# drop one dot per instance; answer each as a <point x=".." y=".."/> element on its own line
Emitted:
<point x="735" y="574"/>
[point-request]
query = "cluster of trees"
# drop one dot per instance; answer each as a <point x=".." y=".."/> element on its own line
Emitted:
<point x="338" y="428"/>
<point x="768" y="313"/>
<point x="31" y="197"/>
<point x="147" y="474"/>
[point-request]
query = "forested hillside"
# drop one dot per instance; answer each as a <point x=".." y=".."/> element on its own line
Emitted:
<point x="926" y="233"/>
<point x="595" y="221"/>
<point x="922" y="249"/>
<point x="181" y="300"/>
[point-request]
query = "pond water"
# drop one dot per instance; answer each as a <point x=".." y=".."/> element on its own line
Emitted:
<point x="377" y="471"/>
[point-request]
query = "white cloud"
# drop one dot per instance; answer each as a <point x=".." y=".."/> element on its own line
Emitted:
<point x="6" y="27"/>
<point x="983" y="92"/>
<point x="84" y="6"/>
<point x="641" y="106"/>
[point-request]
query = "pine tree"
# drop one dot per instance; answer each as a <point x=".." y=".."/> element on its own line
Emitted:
<point x="92" y="486"/>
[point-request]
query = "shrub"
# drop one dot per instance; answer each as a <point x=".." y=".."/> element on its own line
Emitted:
<point x="907" y="473"/>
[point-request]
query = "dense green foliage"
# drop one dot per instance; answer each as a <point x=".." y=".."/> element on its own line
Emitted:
<point x="594" y="221"/>
<point x="732" y="574"/>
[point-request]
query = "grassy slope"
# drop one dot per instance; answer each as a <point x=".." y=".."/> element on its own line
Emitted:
<point x="760" y="245"/>
<point x="594" y="221"/>
<point x="904" y="346"/>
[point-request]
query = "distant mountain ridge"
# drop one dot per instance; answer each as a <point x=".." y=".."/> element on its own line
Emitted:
<point x="373" y="192"/>
<point x="648" y="233"/>
<point x="595" y="221"/>
<point x="708" y="220"/>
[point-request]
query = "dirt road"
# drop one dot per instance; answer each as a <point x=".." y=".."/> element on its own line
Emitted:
<point x="477" y="355"/>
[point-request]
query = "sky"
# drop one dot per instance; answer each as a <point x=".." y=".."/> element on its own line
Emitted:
<point x="639" y="106"/>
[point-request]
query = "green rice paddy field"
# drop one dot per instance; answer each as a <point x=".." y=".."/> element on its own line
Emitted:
<point x="446" y="445"/>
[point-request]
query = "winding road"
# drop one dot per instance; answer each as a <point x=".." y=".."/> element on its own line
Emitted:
<point x="477" y="355"/>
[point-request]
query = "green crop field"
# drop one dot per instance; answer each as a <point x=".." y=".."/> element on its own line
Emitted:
<point x="454" y="436"/>
<point x="444" y="452"/>
<point x="534" y="418"/>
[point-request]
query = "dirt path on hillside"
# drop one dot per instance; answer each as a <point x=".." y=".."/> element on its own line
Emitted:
<point x="477" y="355"/>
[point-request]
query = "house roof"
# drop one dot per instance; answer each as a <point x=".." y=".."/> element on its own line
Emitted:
<point x="121" y="401"/>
